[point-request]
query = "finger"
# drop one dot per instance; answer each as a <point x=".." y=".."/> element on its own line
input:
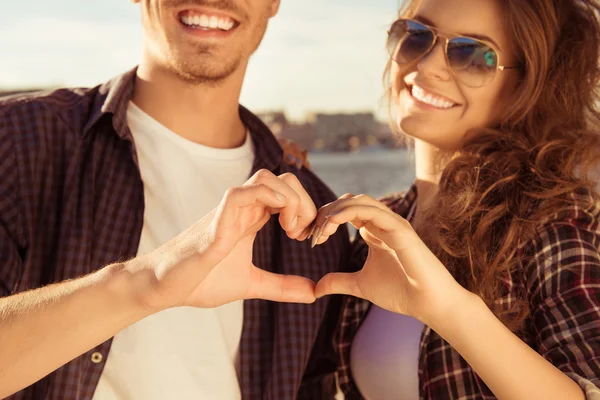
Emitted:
<point x="343" y="202"/>
<point x="317" y="232"/>
<point x="282" y="288"/>
<point x="323" y="232"/>
<point x="338" y="283"/>
<point x="232" y="208"/>
<point x="307" y="210"/>
<point x="240" y="197"/>
<point x="288" y="214"/>
<point x="361" y="199"/>
<point x="385" y="225"/>
<point x="322" y="239"/>
<point x="306" y="233"/>
<point x="322" y="214"/>
<point x="329" y="229"/>
<point x="370" y="238"/>
<point x="327" y="208"/>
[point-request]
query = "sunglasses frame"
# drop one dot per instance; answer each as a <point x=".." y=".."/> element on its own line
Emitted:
<point x="448" y="38"/>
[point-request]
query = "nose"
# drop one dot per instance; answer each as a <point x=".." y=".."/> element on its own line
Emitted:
<point x="434" y="64"/>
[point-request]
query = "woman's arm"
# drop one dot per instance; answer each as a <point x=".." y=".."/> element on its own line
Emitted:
<point x="402" y="275"/>
<point x="509" y="367"/>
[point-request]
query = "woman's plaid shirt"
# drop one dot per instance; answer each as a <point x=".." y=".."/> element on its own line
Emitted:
<point x="561" y="284"/>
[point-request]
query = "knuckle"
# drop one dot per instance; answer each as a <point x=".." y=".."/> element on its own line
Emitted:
<point x="231" y="195"/>
<point x="288" y="177"/>
<point x="231" y="192"/>
<point x="263" y="174"/>
<point x="294" y="198"/>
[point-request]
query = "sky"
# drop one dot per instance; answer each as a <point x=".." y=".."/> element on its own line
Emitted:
<point x="317" y="55"/>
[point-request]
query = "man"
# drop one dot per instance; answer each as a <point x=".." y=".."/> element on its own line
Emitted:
<point x="111" y="280"/>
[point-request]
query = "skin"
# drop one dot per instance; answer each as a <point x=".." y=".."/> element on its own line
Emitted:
<point x="401" y="274"/>
<point x="185" y="80"/>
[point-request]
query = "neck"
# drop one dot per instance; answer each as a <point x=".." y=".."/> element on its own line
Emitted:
<point x="207" y="114"/>
<point x="428" y="168"/>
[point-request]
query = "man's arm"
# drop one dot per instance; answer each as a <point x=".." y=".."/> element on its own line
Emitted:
<point x="42" y="329"/>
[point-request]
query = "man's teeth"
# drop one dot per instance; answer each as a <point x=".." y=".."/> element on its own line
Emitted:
<point x="430" y="99"/>
<point x="207" y="22"/>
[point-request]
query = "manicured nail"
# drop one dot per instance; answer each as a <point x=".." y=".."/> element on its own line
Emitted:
<point x="295" y="222"/>
<point x="312" y="231"/>
<point x="317" y="235"/>
<point x="313" y="242"/>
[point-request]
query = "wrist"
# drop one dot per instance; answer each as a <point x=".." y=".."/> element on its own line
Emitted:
<point x="458" y="311"/>
<point x="132" y="284"/>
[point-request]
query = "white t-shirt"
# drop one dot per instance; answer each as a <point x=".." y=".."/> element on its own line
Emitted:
<point x="181" y="353"/>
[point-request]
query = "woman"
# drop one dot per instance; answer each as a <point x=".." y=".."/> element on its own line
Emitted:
<point x="485" y="276"/>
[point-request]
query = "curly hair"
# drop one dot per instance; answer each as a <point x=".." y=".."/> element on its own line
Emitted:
<point x="506" y="180"/>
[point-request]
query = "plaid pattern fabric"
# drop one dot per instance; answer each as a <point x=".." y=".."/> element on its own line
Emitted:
<point x="561" y="282"/>
<point x="71" y="202"/>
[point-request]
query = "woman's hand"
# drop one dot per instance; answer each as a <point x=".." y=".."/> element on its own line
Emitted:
<point x="400" y="274"/>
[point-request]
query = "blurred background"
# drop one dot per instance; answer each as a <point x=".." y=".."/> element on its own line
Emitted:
<point x="316" y="79"/>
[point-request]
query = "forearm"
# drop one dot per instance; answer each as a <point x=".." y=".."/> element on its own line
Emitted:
<point x="43" y="329"/>
<point x="508" y="366"/>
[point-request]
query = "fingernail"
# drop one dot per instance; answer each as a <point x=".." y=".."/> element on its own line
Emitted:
<point x="313" y="242"/>
<point x="315" y="237"/>
<point x="280" y="197"/>
<point x="295" y="222"/>
<point x="312" y="230"/>
<point x="319" y="233"/>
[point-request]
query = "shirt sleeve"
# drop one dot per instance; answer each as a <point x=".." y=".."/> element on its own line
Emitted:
<point x="11" y="262"/>
<point x="564" y="297"/>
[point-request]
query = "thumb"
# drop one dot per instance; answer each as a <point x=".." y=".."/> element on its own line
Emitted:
<point x="281" y="288"/>
<point x="339" y="283"/>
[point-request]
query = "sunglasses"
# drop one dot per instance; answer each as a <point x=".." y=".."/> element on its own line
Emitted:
<point x="473" y="61"/>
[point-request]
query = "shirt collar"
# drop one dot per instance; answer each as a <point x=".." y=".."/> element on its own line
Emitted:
<point x="112" y="98"/>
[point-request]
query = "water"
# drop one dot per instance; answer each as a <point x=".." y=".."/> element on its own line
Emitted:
<point x="374" y="173"/>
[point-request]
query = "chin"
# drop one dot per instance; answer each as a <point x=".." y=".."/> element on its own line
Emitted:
<point x="415" y="128"/>
<point x="201" y="70"/>
<point x="434" y="136"/>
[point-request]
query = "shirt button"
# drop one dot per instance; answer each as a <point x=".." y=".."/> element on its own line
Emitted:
<point x="97" y="358"/>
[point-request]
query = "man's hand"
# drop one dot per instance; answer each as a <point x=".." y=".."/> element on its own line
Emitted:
<point x="210" y="264"/>
<point x="207" y="265"/>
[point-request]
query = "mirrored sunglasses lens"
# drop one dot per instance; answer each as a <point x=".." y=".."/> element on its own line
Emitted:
<point x="409" y="40"/>
<point x="474" y="62"/>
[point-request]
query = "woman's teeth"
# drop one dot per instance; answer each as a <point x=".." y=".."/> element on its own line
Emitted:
<point x="206" y="22"/>
<point x="428" y="98"/>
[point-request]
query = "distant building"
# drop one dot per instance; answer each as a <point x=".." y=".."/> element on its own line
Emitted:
<point x="276" y="121"/>
<point x="302" y="134"/>
<point x="333" y="132"/>
<point x="344" y="132"/>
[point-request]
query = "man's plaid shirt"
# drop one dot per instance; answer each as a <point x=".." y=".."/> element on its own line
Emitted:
<point x="72" y="201"/>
